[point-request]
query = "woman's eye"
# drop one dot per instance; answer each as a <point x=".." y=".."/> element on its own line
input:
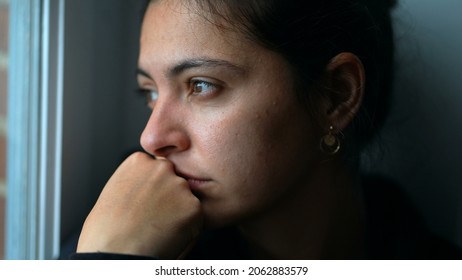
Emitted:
<point x="199" y="87"/>
<point x="150" y="96"/>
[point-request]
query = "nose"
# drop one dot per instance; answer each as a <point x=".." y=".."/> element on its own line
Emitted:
<point x="165" y="132"/>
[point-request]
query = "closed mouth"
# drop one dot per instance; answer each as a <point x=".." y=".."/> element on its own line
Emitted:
<point x="195" y="183"/>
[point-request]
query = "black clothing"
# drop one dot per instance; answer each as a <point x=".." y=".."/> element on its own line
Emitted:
<point x="107" y="256"/>
<point x="394" y="231"/>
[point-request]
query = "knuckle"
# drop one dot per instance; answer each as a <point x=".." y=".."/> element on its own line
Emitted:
<point x="181" y="182"/>
<point x="137" y="157"/>
<point x="195" y="206"/>
<point x="164" y="165"/>
<point x="190" y="206"/>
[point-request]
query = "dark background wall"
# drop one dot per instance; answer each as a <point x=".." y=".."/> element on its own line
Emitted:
<point x="420" y="146"/>
<point x="103" y="117"/>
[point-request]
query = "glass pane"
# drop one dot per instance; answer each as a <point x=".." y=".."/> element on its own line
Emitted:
<point x="4" y="20"/>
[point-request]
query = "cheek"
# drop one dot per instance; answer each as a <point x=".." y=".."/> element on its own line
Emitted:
<point x="227" y="140"/>
<point x="257" y="146"/>
<point x="257" y="157"/>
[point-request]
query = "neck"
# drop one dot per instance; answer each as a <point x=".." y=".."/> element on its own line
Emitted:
<point x="322" y="219"/>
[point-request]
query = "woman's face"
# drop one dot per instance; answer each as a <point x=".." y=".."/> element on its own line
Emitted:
<point x="224" y="112"/>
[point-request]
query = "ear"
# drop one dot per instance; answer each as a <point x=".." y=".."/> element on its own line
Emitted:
<point x="345" y="80"/>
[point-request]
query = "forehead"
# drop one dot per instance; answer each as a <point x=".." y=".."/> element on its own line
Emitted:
<point x="173" y="31"/>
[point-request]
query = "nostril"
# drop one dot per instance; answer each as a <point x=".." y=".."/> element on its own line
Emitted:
<point x="164" y="151"/>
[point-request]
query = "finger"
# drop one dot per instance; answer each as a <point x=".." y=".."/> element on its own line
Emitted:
<point x="160" y="158"/>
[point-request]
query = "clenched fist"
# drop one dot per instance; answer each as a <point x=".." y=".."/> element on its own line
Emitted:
<point x="144" y="209"/>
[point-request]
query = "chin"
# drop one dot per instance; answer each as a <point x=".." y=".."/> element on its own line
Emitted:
<point x="217" y="221"/>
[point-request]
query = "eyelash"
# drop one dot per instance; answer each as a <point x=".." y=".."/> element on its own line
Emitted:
<point x="194" y="85"/>
<point x="193" y="90"/>
<point x="148" y="95"/>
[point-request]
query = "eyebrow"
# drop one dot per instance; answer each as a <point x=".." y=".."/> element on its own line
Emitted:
<point x="141" y="72"/>
<point x="184" y="65"/>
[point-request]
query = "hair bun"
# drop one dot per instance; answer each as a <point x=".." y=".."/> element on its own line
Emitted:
<point x="392" y="3"/>
<point x="379" y="4"/>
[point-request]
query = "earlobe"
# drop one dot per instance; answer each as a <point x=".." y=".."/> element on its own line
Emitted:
<point x="345" y="81"/>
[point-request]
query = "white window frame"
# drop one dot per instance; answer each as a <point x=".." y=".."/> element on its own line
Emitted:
<point x="35" y="101"/>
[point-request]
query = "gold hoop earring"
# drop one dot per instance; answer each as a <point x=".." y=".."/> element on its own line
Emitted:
<point x="330" y="144"/>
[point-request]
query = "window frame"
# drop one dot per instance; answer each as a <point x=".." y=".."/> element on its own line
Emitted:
<point x="34" y="129"/>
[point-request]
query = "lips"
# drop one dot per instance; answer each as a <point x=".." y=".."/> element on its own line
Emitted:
<point x="195" y="183"/>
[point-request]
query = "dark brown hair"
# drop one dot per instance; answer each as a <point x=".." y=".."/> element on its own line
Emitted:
<point x="309" y="33"/>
